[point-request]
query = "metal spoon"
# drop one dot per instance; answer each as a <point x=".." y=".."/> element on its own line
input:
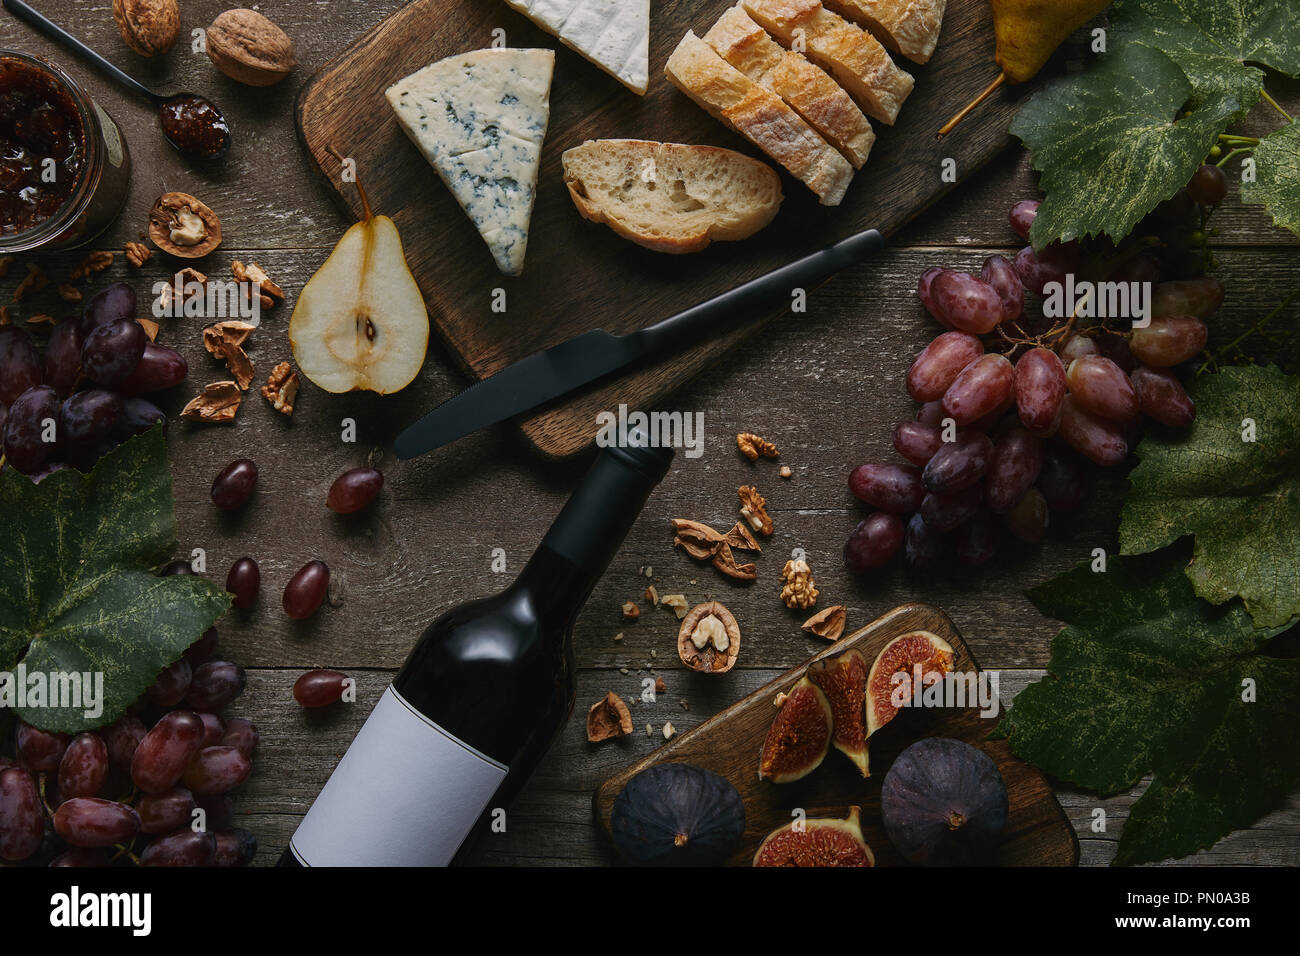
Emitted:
<point x="191" y="123"/>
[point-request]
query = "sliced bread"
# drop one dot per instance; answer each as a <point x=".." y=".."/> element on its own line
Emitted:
<point x="807" y="88"/>
<point x="760" y="116"/>
<point x="909" y="27"/>
<point x="670" y="197"/>
<point x="847" y="52"/>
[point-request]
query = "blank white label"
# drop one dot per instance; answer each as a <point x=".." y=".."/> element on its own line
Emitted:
<point x="406" y="793"/>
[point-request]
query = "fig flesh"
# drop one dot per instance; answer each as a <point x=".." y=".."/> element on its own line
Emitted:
<point x="817" y="843"/>
<point x="900" y="657"/>
<point x="799" y="737"/>
<point x="676" y="814"/>
<point x="944" y="803"/>
<point x="843" y="679"/>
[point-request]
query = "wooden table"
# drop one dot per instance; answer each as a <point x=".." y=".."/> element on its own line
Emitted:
<point x="825" y="387"/>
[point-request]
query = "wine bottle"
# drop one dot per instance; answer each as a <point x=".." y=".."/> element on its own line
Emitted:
<point x="481" y="696"/>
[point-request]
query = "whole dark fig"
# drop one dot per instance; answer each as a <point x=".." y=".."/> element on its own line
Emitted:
<point x="944" y="803"/>
<point x="676" y="814"/>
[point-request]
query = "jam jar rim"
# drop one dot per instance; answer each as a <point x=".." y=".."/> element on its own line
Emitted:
<point x="92" y="133"/>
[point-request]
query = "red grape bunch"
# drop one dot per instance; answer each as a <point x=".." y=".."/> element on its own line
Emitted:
<point x="91" y="380"/>
<point x="1015" y="408"/>
<point x="126" y="793"/>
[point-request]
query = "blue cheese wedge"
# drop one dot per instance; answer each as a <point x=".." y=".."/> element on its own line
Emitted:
<point x="479" y="119"/>
<point x="613" y="34"/>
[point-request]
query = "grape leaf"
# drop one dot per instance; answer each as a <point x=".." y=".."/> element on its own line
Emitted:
<point x="76" y="590"/>
<point x="1148" y="678"/>
<point x="1110" y="143"/>
<point x="1213" y="41"/>
<point x="1240" y="498"/>
<point x="1277" y="177"/>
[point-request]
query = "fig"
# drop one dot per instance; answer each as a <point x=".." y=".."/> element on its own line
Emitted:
<point x="944" y="803"/>
<point x="817" y="843"/>
<point x="843" y="679"/>
<point x="676" y="814"/>
<point x="901" y="656"/>
<point x="800" y="735"/>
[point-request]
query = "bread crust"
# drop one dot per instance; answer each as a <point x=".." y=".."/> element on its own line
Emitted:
<point x="909" y="27"/>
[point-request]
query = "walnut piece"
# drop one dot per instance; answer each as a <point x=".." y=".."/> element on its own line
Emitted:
<point x="186" y="285"/>
<point x="95" y="262"/>
<point x="660" y="686"/>
<point x="828" y="624"/>
<point x="34" y="281"/>
<point x="150" y="328"/>
<point x="69" y="293"/>
<point x="630" y="611"/>
<point x="751" y="446"/>
<point x="785" y="472"/>
<point x="753" y="507"/>
<point x="281" y="388"/>
<point x="41" y="318"/>
<point x="4" y="315"/>
<point x="608" y="718"/>
<point x="709" y="639"/>
<point x="677" y="602"/>
<point x="800" y="589"/>
<point x="137" y="253"/>
<point x="669" y="731"/>
<point x="270" y="293"/>
<point x="225" y="340"/>
<point x="218" y="404"/>
<point x="652" y="595"/>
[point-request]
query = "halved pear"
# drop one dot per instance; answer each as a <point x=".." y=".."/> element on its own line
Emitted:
<point x="360" y="323"/>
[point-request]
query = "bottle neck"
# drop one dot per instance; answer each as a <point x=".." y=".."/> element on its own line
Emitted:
<point x="588" y="533"/>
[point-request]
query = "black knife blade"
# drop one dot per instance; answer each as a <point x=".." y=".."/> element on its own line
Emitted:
<point x="555" y="372"/>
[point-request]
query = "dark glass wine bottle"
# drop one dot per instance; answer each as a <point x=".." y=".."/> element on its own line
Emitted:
<point x="481" y="696"/>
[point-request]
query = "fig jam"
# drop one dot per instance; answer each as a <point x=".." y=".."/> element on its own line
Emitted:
<point x="42" y="146"/>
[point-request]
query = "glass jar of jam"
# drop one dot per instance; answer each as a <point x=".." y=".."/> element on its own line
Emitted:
<point x="64" y="166"/>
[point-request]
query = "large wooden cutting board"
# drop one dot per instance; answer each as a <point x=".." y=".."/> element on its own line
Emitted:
<point x="579" y="276"/>
<point x="1037" y="833"/>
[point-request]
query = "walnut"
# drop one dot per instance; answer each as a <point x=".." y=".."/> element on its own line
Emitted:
<point x="218" y="404"/>
<point x="753" y="509"/>
<point x="34" y="281"/>
<point x="800" y="589"/>
<point x="149" y="27"/>
<point x="608" y="718"/>
<point x="186" y="285"/>
<point x="69" y="293"/>
<point x="95" y="262"/>
<point x="249" y="48"/>
<point x="271" y="294"/>
<point x="225" y="340"/>
<point x="828" y="624"/>
<point x="785" y="472"/>
<point x="182" y="226"/>
<point x="709" y="639"/>
<point x="137" y="253"/>
<point x="631" y="611"/>
<point x="751" y="446"/>
<point x="677" y="602"/>
<point x="281" y="388"/>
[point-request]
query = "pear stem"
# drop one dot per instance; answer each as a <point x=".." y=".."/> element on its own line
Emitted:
<point x="367" y="214"/>
<point x="988" y="91"/>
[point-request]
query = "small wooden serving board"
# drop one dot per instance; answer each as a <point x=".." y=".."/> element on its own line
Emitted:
<point x="1037" y="833"/>
<point x="578" y="275"/>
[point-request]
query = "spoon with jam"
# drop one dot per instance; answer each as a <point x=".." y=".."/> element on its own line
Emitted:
<point x="191" y="123"/>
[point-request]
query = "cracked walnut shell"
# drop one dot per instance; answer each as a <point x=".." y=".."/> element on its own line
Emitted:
<point x="269" y="294"/>
<point x="608" y="718"/>
<point x="182" y="226"/>
<point x="828" y="624"/>
<point x="709" y="639"/>
<point x="800" y="589"/>
<point x="218" y="404"/>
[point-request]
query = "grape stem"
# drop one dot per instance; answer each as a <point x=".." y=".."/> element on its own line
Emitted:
<point x="1212" y="359"/>
<point x="1273" y="103"/>
<point x="1233" y="153"/>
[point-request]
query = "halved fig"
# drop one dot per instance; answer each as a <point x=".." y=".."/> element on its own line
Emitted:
<point x="800" y="735"/>
<point x="901" y="656"/>
<point x="843" y="679"/>
<point x="817" y="843"/>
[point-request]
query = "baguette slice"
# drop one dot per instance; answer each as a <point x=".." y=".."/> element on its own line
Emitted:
<point x="669" y="197"/>
<point x="909" y="27"/>
<point x="613" y="34"/>
<point x="760" y="116"/>
<point x="847" y="52"/>
<point x="808" y="89"/>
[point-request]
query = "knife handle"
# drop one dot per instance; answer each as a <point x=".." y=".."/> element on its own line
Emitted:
<point x="758" y="296"/>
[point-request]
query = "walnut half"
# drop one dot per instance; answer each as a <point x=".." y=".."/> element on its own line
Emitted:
<point x="281" y="389"/>
<point x="753" y="507"/>
<point x="182" y="226"/>
<point x="709" y="639"/>
<point x="800" y="589"/>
